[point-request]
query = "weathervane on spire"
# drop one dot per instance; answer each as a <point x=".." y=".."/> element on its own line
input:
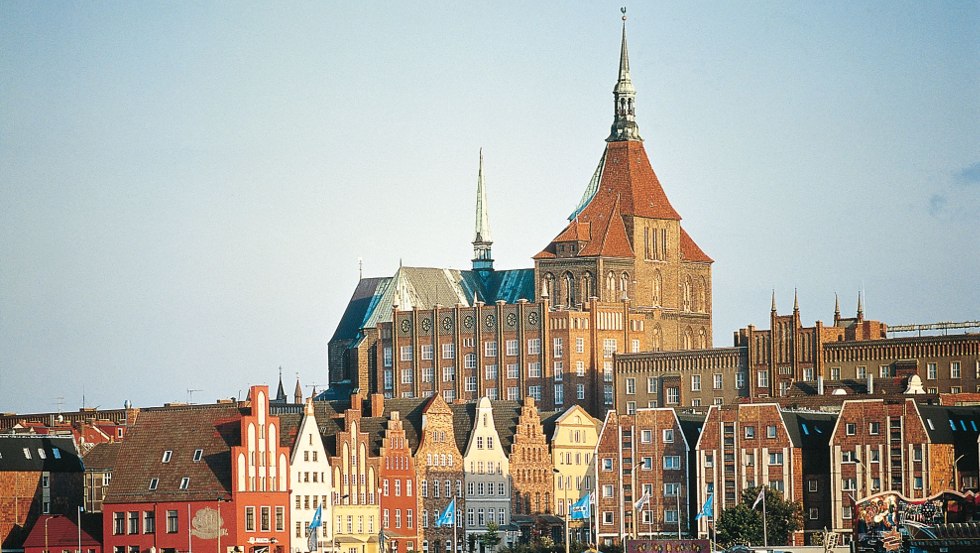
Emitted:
<point x="624" y="97"/>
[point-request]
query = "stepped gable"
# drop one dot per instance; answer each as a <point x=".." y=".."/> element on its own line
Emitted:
<point x="213" y="428"/>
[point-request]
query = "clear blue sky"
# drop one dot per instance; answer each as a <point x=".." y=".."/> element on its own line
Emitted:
<point x="185" y="187"/>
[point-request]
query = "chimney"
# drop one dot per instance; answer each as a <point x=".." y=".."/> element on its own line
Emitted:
<point x="871" y="383"/>
<point x="819" y="384"/>
<point x="355" y="402"/>
<point x="377" y="405"/>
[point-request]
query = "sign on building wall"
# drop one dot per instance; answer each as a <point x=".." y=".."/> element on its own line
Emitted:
<point x="668" y="546"/>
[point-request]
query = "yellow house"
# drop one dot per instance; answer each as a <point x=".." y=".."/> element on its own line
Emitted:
<point x="573" y="452"/>
<point x="356" y="501"/>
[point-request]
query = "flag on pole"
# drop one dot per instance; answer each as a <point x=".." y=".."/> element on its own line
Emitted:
<point x="581" y="509"/>
<point x="314" y="524"/>
<point x="447" y="517"/>
<point x="644" y="499"/>
<point x="762" y="493"/>
<point x="708" y="510"/>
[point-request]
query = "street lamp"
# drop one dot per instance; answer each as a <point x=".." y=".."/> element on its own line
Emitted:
<point x="79" y="521"/>
<point x="956" y="483"/>
<point x="46" y="521"/>
<point x="568" y="511"/>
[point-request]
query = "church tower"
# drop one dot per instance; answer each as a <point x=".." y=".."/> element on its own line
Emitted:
<point x="482" y="242"/>
<point x="624" y="241"/>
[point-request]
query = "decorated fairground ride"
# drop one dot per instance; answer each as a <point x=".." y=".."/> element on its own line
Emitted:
<point x="946" y="522"/>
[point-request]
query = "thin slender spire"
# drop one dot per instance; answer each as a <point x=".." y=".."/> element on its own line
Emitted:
<point x="773" y="300"/>
<point x="836" y="309"/>
<point x="796" y="301"/>
<point x="860" y="313"/>
<point x="482" y="240"/>
<point x="624" y="125"/>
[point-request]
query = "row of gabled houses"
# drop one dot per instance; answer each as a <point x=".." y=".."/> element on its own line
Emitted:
<point x="251" y="476"/>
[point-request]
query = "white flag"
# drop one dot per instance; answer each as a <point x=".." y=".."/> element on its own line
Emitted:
<point x="644" y="499"/>
<point x="762" y="492"/>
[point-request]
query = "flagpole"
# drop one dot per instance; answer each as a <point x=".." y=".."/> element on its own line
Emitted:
<point x="765" y="533"/>
<point x="455" y="525"/>
<point x="678" y="515"/>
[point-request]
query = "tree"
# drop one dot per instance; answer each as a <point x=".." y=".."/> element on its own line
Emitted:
<point x="490" y="538"/>
<point x="743" y="524"/>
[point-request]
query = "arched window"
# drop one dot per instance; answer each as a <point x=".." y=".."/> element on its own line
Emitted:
<point x="611" y="286"/>
<point x="548" y="285"/>
<point x="686" y="294"/>
<point x="688" y="338"/>
<point x="703" y="290"/>
<point x="624" y="283"/>
<point x="568" y="289"/>
<point x="588" y="289"/>
<point x="657" y="338"/>
<point x="702" y="339"/>
<point x="658" y="284"/>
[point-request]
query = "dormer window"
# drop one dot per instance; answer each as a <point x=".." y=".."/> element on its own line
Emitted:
<point x="198" y="453"/>
<point x="41" y="454"/>
<point x="184" y="482"/>
<point x="153" y="483"/>
<point x="56" y="452"/>
<point x="27" y="453"/>
<point x="166" y="456"/>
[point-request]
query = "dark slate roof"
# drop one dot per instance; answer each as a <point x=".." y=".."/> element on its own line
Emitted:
<point x="366" y="295"/>
<point x="213" y="428"/>
<point x="691" y="426"/>
<point x="809" y="429"/>
<point x="102" y="456"/>
<point x="951" y="425"/>
<point x="44" y="453"/>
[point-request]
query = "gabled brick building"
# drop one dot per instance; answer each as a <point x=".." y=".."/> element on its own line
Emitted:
<point x="356" y="498"/>
<point x="531" y="464"/>
<point x="399" y="488"/>
<point x="209" y="477"/>
<point x="742" y="446"/>
<point x="644" y="455"/>
<point x="39" y="475"/>
<point x="439" y="467"/>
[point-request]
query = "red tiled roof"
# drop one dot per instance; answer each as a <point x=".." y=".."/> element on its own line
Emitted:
<point x="213" y="428"/>
<point x="690" y="251"/>
<point x="627" y="174"/>
<point x="627" y="186"/>
<point x="611" y="239"/>
<point x="61" y="530"/>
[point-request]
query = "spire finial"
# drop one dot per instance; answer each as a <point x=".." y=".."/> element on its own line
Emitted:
<point x="482" y="241"/>
<point x="773" y="300"/>
<point x="860" y="313"/>
<point x="796" y="301"/>
<point x="624" y="95"/>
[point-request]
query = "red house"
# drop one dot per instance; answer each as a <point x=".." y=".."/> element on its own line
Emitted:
<point x="201" y="478"/>
<point x="399" y="502"/>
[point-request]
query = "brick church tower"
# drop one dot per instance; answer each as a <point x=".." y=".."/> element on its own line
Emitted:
<point x="624" y="241"/>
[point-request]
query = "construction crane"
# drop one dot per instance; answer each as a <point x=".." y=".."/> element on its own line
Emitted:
<point x="944" y="326"/>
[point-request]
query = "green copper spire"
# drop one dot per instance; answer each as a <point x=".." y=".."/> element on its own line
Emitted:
<point x="482" y="241"/>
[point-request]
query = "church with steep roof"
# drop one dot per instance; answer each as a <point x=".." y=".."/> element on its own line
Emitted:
<point x="622" y="276"/>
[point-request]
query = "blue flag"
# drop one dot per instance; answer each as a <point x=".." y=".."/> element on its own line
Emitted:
<point x="315" y="523"/>
<point x="581" y="509"/>
<point x="708" y="510"/>
<point x="447" y="517"/>
<point x="311" y="542"/>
